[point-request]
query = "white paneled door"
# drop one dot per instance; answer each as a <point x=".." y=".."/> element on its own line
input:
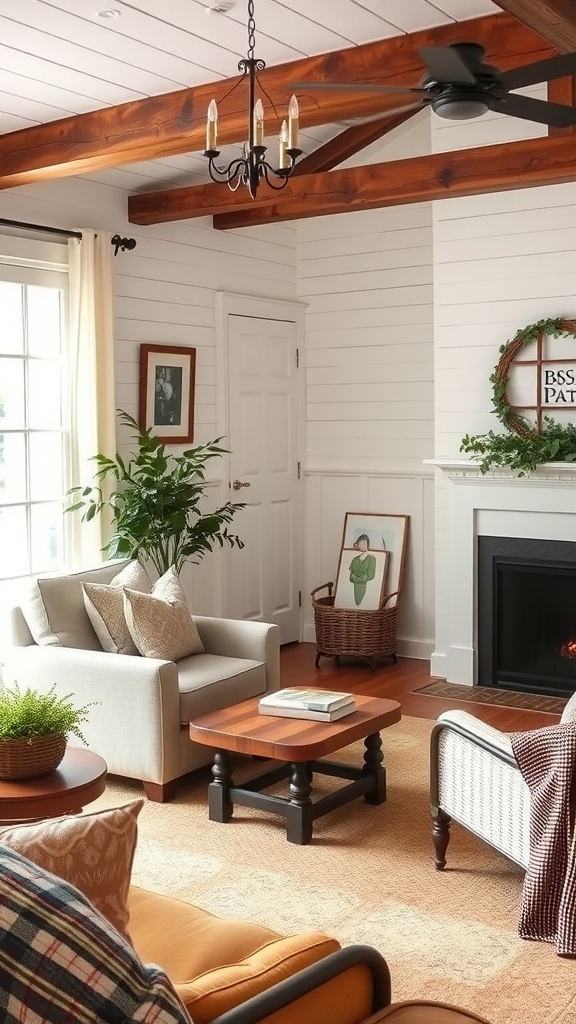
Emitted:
<point x="264" y="576"/>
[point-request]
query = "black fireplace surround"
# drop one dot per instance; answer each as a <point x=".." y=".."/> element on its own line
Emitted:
<point x="527" y="614"/>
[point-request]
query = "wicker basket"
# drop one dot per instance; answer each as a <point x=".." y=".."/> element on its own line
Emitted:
<point x="354" y="633"/>
<point x="30" y="758"/>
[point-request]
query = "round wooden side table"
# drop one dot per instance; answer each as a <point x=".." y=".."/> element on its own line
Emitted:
<point x="79" y="779"/>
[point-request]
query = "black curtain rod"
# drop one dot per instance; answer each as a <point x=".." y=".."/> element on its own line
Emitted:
<point x="116" y="240"/>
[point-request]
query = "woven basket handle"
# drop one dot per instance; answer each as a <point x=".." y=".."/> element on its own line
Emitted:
<point x="323" y="585"/>
<point x="389" y="598"/>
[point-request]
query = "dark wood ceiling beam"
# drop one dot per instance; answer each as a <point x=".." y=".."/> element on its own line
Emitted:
<point x="349" y="142"/>
<point x="562" y="90"/>
<point x="554" y="20"/>
<point x="175" y="122"/>
<point x="500" y="168"/>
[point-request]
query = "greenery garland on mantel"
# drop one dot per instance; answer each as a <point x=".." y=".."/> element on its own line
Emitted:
<point x="523" y="447"/>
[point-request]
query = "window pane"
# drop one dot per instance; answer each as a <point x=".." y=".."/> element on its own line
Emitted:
<point x="43" y="321"/>
<point x="44" y="406"/>
<point x="11" y="320"/>
<point x="46" y="477"/>
<point x="13" y="542"/>
<point x="47" y="537"/>
<point x="12" y="393"/>
<point x="12" y="467"/>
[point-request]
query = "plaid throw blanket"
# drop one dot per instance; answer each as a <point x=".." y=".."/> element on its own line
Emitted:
<point x="62" y="962"/>
<point x="547" y="760"/>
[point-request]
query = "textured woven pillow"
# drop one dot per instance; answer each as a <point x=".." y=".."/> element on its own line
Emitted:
<point x="105" y="607"/>
<point x="94" y="852"/>
<point x="62" y="961"/>
<point x="160" y="623"/>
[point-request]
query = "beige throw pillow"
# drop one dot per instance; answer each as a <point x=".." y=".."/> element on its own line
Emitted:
<point x="105" y="608"/>
<point x="160" y="623"/>
<point x="94" y="852"/>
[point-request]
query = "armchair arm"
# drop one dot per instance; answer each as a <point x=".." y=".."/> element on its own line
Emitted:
<point x="241" y="638"/>
<point x="314" y="980"/>
<point x="134" y="721"/>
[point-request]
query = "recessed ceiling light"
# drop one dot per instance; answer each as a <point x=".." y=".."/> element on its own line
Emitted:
<point x="109" y="12"/>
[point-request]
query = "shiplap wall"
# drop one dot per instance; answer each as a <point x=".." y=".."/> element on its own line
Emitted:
<point x="367" y="280"/>
<point x="500" y="261"/>
<point x="165" y="294"/>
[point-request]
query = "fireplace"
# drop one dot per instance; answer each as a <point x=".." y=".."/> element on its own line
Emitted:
<point x="526" y="619"/>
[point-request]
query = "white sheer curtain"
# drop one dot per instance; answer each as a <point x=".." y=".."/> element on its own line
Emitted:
<point x="91" y="378"/>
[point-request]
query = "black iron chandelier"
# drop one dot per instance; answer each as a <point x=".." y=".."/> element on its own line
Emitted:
<point x="251" y="167"/>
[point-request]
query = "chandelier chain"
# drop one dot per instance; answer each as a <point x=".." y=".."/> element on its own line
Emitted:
<point x="251" y="30"/>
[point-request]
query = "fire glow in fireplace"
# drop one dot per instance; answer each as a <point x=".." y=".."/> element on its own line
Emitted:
<point x="526" y="600"/>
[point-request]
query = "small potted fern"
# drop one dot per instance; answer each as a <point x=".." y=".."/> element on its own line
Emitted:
<point x="34" y="730"/>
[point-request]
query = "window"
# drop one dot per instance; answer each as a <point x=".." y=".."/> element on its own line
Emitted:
<point x="33" y="476"/>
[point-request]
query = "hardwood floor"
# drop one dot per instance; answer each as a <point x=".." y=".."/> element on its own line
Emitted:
<point x="398" y="682"/>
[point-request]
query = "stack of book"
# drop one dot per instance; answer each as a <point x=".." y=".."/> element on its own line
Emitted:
<point x="322" y="705"/>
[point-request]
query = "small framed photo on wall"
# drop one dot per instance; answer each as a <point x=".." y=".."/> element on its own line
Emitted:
<point x="372" y="559"/>
<point x="167" y="379"/>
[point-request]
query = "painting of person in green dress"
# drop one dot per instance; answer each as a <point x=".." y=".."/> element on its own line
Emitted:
<point x="362" y="568"/>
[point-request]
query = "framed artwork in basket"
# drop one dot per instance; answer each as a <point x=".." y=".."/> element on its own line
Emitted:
<point x="374" y="533"/>
<point x="167" y="379"/>
<point x="361" y="578"/>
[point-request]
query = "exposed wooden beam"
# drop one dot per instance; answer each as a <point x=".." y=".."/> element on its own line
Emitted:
<point x="554" y="20"/>
<point x="500" y="168"/>
<point x="350" y="142"/>
<point x="542" y="161"/>
<point x="174" y="123"/>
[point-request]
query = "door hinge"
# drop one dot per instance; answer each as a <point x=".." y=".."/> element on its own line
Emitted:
<point x="299" y="598"/>
<point x="299" y="470"/>
<point x="297" y="358"/>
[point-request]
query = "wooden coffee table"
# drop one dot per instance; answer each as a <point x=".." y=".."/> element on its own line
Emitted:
<point x="79" y="779"/>
<point x="297" y="743"/>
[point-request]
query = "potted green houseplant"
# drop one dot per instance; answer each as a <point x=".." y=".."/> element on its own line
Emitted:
<point x="155" y="505"/>
<point x="34" y="728"/>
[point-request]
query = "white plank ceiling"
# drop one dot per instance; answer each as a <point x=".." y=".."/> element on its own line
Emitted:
<point x="60" y="57"/>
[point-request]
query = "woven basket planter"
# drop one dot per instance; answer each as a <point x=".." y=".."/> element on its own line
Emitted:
<point x="30" y="758"/>
<point x="354" y="633"/>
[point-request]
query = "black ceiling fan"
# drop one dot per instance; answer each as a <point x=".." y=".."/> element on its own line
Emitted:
<point x="460" y="85"/>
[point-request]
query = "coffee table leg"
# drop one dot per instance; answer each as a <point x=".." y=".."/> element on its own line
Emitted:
<point x="373" y="758"/>
<point x="220" y="807"/>
<point x="299" y="819"/>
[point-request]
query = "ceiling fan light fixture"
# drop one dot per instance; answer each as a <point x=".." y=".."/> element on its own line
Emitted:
<point x="461" y="107"/>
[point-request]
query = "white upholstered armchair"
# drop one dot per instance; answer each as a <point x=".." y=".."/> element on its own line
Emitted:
<point x="475" y="781"/>
<point x="139" y="721"/>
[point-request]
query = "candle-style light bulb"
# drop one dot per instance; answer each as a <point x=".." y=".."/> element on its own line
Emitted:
<point x="212" y="125"/>
<point x="258" y="123"/>
<point x="283" y="158"/>
<point x="293" y="115"/>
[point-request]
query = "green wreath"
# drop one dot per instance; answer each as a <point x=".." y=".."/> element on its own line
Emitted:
<point x="524" y="446"/>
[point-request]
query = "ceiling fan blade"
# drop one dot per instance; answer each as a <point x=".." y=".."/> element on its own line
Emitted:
<point x="541" y="71"/>
<point x="554" y="114"/>
<point x="446" y="65"/>
<point x="353" y="87"/>
<point x="387" y="114"/>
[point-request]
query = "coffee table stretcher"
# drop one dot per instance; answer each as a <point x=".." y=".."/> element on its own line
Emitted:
<point x="299" y="810"/>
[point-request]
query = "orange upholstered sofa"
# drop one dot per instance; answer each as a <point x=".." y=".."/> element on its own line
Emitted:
<point x="234" y="972"/>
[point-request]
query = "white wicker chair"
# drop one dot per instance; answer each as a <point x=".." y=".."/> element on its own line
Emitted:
<point x="475" y="780"/>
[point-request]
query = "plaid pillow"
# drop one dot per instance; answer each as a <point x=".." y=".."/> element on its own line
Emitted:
<point x="62" y="962"/>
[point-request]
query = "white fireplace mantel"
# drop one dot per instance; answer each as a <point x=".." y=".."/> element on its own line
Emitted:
<point x="497" y="503"/>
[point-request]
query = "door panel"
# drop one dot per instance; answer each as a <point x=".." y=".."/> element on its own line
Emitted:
<point x="263" y="433"/>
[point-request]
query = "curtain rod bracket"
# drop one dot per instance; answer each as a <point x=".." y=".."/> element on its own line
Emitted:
<point x="122" y="243"/>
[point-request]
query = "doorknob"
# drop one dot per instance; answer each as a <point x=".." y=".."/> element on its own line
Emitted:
<point x="240" y="483"/>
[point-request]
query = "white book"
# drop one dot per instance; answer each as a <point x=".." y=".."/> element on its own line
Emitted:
<point x="317" y="716"/>
<point x="307" y="699"/>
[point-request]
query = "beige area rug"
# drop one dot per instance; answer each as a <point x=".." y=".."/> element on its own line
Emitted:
<point x="368" y="877"/>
